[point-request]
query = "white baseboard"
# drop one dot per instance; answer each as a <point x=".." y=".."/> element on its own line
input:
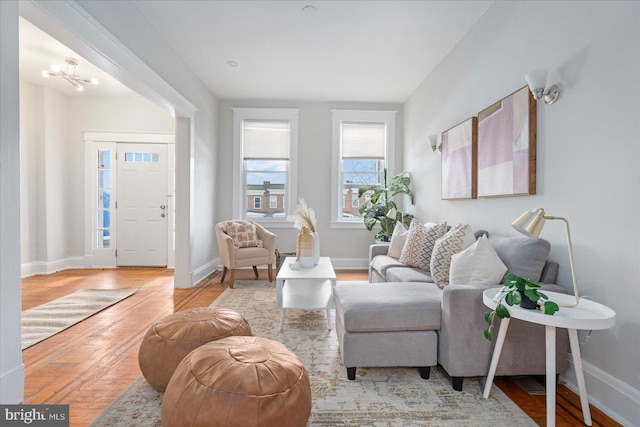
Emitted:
<point x="12" y="386"/>
<point x="338" y="264"/>
<point x="350" y="263"/>
<point x="47" y="267"/>
<point x="615" y="398"/>
<point x="201" y="273"/>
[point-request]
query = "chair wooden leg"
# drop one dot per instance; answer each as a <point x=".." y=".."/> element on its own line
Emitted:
<point x="255" y="271"/>
<point x="231" y="278"/>
<point x="224" y="273"/>
<point x="270" y="272"/>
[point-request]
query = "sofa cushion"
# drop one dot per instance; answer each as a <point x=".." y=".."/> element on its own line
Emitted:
<point x="398" y="239"/>
<point x="420" y="241"/>
<point x="380" y="263"/>
<point x="385" y="307"/>
<point x="477" y="265"/>
<point x="455" y="240"/>
<point x="523" y="256"/>
<point x="407" y="274"/>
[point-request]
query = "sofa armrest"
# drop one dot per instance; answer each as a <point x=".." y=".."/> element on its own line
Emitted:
<point x="462" y="349"/>
<point x="464" y="352"/>
<point x="378" y="249"/>
<point x="375" y="250"/>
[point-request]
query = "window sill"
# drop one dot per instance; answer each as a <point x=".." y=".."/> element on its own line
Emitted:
<point x="273" y="224"/>
<point x="354" y="225"/>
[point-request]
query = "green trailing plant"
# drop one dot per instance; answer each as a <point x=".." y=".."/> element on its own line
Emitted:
<point x="378" y="206"/>
<point x="511" y="293"/>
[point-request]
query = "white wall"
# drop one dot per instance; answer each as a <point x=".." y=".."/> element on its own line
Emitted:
<point x="314" y="173"/>
<point x="588" y="157"/>
<point x="52" y="166"/>
<point x="130" y="27"/>
<point x="11" y="367"/>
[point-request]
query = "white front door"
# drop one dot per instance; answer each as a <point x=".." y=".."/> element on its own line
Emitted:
<point x="142" y="205"/>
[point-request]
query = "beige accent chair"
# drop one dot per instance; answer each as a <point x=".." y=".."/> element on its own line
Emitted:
<point x="232" y="258"/>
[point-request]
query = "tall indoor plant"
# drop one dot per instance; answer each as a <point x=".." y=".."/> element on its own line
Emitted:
<point x="380" y="207"/>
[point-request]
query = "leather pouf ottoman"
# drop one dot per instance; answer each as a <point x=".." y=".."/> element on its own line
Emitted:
<point x="238" y="381"/>
<point x="171" y="338"/>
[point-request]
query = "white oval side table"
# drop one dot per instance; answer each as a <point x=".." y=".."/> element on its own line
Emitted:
<point x="588" y="315"/>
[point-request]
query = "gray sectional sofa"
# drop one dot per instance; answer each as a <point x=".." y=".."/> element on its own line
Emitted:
<point x="401" y="318"/>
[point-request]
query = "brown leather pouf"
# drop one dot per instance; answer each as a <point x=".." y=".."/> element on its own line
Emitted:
<point x="238" y="381"/>
<point x="171" y="338"/>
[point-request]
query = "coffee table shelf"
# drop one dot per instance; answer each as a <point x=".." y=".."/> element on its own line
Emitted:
<point x="305" y="288"/>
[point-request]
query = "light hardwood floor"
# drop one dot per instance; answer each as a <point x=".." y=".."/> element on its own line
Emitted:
<point x="90" y="364"/>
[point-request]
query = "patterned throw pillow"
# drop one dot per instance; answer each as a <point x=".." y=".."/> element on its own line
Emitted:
<point x="421" y="239"/>
<point x="455" y="240"/>
<point x="243" y="234"/>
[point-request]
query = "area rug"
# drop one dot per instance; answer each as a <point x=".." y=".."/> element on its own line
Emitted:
<point x="378" y="397"/>
<point x="46" y="320"/>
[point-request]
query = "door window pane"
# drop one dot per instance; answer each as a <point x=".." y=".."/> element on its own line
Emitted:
<point x="104" y="239"/>
<point x="104" y="159"/>
<point x="104" y="179"/>
<point x="103" y="202"/>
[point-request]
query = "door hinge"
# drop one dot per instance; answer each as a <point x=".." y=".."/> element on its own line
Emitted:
<point x="116" y="204"/>
<point x="116" y="253"/>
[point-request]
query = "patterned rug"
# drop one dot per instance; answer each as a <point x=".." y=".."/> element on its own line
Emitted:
<point x="46" y="320"/>
<point x="378" y="397"/>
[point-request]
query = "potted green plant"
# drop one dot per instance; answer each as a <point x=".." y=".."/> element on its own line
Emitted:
<point x="518" y="290"/>
<point x="380" y="207"/>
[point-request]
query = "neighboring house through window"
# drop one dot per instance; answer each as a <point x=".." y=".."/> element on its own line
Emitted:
<point x="265" y="149"/>
<point x="363" y="146"/>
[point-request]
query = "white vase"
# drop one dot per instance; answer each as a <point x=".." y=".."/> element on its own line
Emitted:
<point x="316" y="247"/>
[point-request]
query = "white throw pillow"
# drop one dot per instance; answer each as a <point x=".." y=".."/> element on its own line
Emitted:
<point x="398" y="238"/>
<point x="479" y="264"/>
<point x="416" y="251"/>
<point x="456" y="240"/>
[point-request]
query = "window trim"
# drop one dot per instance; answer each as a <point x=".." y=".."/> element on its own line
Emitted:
<point x="241" y="114"/>
<point x="337" y="117"/>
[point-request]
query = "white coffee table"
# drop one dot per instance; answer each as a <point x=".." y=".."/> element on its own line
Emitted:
<point x="306" y="288"/>
<point x="587" y="315"/>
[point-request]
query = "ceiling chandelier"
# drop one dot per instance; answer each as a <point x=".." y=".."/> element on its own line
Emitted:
<point x="70" y="74"/>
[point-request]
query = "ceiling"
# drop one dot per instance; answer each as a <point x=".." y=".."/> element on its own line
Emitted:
<point x="38" y="51"/>
<point x="306" y="50"/>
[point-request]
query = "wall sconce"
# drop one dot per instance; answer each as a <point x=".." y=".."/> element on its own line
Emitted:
<point x="537" y="81"/>
<point x="435" y="141"/>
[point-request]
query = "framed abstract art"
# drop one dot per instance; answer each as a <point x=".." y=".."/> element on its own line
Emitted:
<point x="507" y="146"/>
<point x="459" y="149"/>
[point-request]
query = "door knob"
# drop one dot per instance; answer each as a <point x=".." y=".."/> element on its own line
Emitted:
<point x="163" y="206"/>
<point x="162" y="215"/>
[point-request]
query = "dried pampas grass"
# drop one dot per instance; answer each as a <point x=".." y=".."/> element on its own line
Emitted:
<point x="304" y="216"/>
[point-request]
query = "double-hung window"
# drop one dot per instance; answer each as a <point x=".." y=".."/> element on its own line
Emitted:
<point x="363" y="146"/>
<point x="265" y="150"/>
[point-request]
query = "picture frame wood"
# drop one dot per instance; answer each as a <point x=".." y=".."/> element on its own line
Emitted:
<point x="506" y="161"/>
<point x="459" y="160"/>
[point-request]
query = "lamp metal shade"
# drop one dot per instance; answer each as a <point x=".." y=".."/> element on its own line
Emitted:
<point x="530" y="223"/>
<point x="393" y="213"/>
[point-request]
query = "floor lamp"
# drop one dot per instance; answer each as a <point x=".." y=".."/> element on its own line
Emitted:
<point x="531" y="224"/>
